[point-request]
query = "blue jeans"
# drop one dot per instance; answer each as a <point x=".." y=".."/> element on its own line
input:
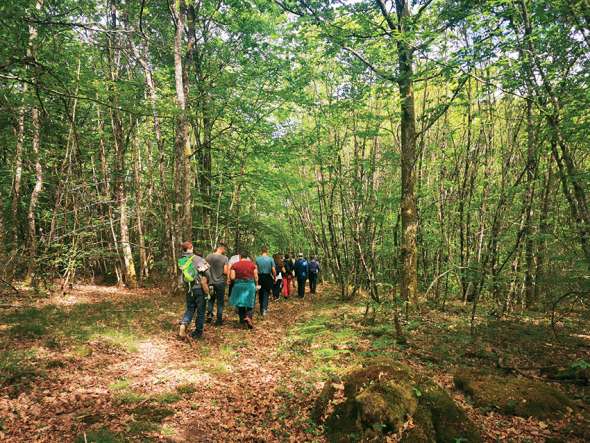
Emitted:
<point x="219" y="296"/>
<point x="195" y="301"/>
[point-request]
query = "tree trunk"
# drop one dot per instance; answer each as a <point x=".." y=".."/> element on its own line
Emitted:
<point x="182" y="145"/>
<point x="409" y="279"/>
<point x="18" y="171"/>
<point x="120" y="149"/>
<point x="36" y="142"/>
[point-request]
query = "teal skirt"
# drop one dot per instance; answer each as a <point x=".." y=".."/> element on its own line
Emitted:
<point x="243" y="294"/>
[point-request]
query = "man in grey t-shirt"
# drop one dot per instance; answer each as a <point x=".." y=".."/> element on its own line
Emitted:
<point x="218" y="269"/>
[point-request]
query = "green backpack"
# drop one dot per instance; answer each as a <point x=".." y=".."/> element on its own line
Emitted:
<point x="186" y="265"/>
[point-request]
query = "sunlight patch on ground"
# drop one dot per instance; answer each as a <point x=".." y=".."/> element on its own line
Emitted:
<point x="176" y="377"/>
<point x="151" y="350"/>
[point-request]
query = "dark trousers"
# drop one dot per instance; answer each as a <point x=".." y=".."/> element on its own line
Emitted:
<point x="219" y="296"/>
<point x="195" y="301"/>
<point x="276" y="289"/>
<point x="266" y="283"/>
<point x="301" y="286"/>
<point x="245" y="312"/>
<point x="313" y="282"/>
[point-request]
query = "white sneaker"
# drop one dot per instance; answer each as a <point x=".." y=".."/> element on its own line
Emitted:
<point x="182" y="331"/>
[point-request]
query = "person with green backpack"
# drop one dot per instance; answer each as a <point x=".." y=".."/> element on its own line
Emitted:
<point x="195" y="277"/>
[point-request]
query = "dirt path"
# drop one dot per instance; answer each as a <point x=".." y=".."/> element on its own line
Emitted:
<point x="107" y="366"/>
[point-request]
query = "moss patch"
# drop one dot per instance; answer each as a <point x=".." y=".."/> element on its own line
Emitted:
<point x="379" y="399"/>
<point x="511" y="395"/>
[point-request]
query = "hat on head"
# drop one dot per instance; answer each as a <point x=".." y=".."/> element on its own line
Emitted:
<point x="300" y="254"/>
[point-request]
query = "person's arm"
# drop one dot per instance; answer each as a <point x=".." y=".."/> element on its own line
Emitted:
<point x="256" y="276"/>
<point x="274" y="270"/>
<point x="232" y="274"/>
<point x="205" y="284"/>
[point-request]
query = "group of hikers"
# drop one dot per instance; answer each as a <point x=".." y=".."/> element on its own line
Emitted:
<point x="205" y="280"/>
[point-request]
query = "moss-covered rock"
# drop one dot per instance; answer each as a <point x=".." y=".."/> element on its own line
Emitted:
<point x="380" y="398"/>
<point x="512" y="395"/>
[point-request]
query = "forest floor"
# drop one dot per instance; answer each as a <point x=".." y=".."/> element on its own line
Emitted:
<point x="102" y="364"/>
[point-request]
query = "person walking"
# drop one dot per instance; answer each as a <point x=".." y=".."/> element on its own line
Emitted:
<point x="233" y="260"/>
<point x="288" y="276"/>
<point x="243" y="295"/>
<point x="218" y="269"/>
<point x="314" y="270"/>
<point x="266" y="278"/>
<point x="196" y="281"/>
<point x="279" y="280"/>
<point x="301" y="273"/>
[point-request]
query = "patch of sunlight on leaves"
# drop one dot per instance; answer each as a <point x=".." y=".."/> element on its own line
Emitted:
<point x="119" y="385"/>
<point x="215" y="367"/>
<point x="168" y="431"/>
<point x="82" y="351"/>
<point x="125" y="341"/>
<point x="100" y="436"/>
<point x="227" y="352"/>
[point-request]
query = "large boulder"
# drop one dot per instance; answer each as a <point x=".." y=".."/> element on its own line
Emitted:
<point x="386" y="398"/>
<point x="511" y="395"/>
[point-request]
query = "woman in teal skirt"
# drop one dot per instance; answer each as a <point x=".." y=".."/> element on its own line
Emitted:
<point x="243" y="295"/>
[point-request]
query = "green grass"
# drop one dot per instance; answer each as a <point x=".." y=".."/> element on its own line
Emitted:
<point x="129" y="397"/>
<point x="82" y="351"/>
<point x="166" y="397"/>
<point x="17" y="366"/>
<point x="122" y="340"/>
<point x="215" y="366"/>
<point x="186" y="389"/>
<point x="119" y="385"/>
<point x="123" y="322"/>
<point x="142" y="427"/>
<point x="152" y="413"/>
<point x="100" y="436"/>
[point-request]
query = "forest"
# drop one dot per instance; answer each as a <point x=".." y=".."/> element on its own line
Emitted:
<point x="433" y="154"/>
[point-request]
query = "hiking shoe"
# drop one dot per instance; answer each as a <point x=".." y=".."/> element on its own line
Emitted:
<point x="197" y="336"/>
<point x="249" y="323"/>
<point x="209" y="317"/>
<point x="182" y="330"/>
<point x="218" y="322"/>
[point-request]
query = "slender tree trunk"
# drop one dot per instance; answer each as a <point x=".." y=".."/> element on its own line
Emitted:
<point x="120" y="145"/>
<point x="18" y="171"/>
<point x="409" y="280"/>
<point x="137" y="170"/>
<point x="36" y="142"/>
<point x="182" y="146"/>
<point x="529" y="280"/>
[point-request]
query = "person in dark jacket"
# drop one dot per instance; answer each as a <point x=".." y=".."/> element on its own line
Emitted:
<point x="280" y="277"/>
<point x="288" y="277"/>
<point x="301" y="273"/>
<point x="314" y="270"/>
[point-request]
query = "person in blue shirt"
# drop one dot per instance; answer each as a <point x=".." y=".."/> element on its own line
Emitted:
<point x="314" y="270"/>
<point x="301" y="273"/>
<point x="266" y="278"/>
